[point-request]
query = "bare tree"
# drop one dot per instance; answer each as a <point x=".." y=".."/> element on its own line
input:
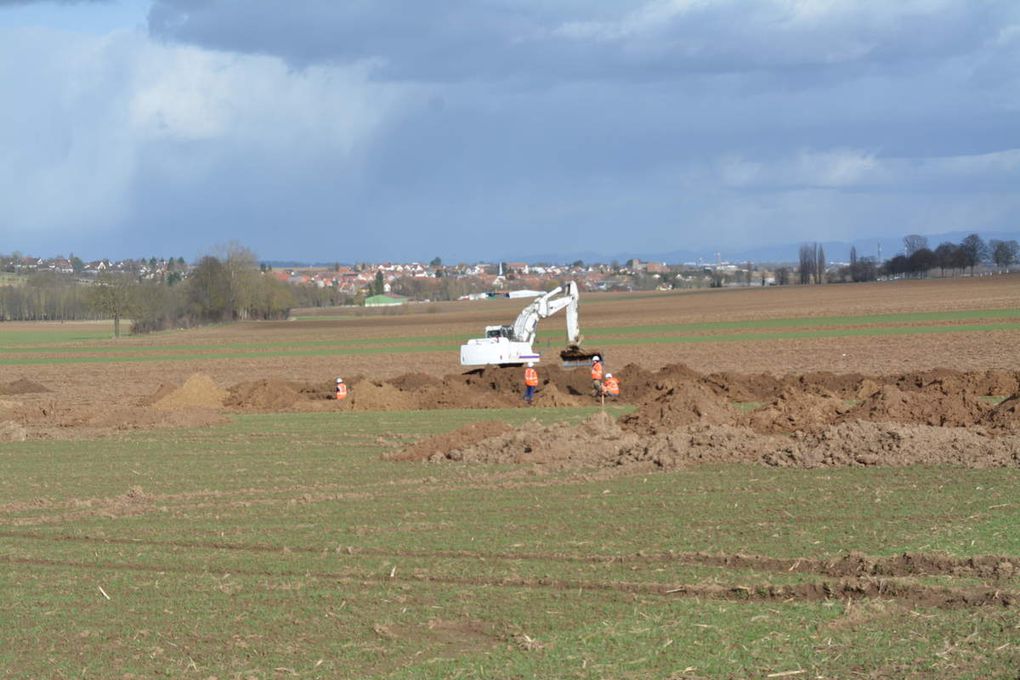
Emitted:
<point x="974" y="251"/>
<point x="914" y="242"/>
<point x="1004" y="253"/>
<point x="946" y="255"/>
<point x="819" y="263"/>
<point x="113" y="296"/>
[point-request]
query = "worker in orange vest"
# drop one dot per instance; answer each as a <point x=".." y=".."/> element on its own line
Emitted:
<point x="341" y="389"/>
<point x="596" y="376"/>
<point x="530" y="382"/>
<point x="611" y="387"/>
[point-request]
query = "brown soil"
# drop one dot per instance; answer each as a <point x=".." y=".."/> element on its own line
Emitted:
<point x="678" y="404"/>
<point x="368" y="395"/>
<point x="22" y="386"/>
<point x="600" y="442"/>
<point x="1007" y="414"/>
<point x="935" y="404"/>
<point x="265" y="395"/>
<point x="462" y="437"/>
<point x="794" y="410"/>
<point x="198" y="391"/>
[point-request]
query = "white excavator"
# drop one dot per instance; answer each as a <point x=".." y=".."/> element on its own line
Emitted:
<point x="511" y="345"/>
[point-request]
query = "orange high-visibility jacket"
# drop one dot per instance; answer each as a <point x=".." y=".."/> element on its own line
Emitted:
<point x="612" y="386"/>
<point x="341" y="391"/>
<point x="530" y="377"/>
<point x="596" y="371"/>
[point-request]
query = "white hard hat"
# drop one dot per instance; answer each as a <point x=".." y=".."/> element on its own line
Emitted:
<point x="609" y="375"/>
<point x="596" y="358"/>
<point x="339" y="380"/>
<point x="530" y="364"/>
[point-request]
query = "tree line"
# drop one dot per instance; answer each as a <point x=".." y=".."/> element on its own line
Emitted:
<point x="917" y="260"/>
<point x="231" y="287"/>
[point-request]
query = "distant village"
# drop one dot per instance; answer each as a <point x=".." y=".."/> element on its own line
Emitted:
<point x="396" y="283"/>
<point x="404" y="281"/>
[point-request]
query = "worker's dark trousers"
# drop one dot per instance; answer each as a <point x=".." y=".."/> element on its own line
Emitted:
<point x="529" y="393"/>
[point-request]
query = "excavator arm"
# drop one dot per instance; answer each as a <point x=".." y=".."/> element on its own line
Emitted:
<point x="525" y="326"/>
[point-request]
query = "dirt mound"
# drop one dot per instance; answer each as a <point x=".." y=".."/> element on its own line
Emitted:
<point x="1006" y="415"/>
<point x="198" y="391"/>
<point x="936" y="404"/>
<point x="867" y="443"/>
<point x="268" y="395"/>
<point x="796" y="410"/>
<point x="411" y="382"/>
<point x="600" y="442"/>
<point x="441" y="444"/>
<point x="22" y="386"/>
<point x="551" y="396"/>
<point x="997" y="383"/>
<point x="868" y="388"/>
<point x="678" y="405"/>
<point x="745" y="387"/>
<point x="825" y="383"/>
<point x="11" y="431"/>
<point x="368" y="395"/>
<point x="593" y="443"/>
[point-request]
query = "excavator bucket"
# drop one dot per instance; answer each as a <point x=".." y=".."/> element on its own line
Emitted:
<point x="573" y="356"/>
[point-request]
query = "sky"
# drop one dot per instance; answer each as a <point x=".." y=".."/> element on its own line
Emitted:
<point x="353" y="130"/>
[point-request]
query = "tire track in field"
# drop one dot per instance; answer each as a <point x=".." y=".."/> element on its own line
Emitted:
<point x="848" y="565"/>
<point x="843" y="589"/>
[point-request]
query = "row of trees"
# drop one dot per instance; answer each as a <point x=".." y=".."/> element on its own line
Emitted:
<point x="917" y="260"/>
<point x="218" y="288"/>
<point x="44" y="296"/>
<point x="812" y="263"/>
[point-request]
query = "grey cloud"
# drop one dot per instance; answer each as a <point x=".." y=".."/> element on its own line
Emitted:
<point x="649" y="39"/>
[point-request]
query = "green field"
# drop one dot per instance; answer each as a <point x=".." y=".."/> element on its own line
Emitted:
<point x="282" y="546"/>
<point x="56" y="346"/>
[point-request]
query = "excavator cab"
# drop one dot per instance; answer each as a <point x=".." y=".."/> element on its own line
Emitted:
<point x="499" y="332"/>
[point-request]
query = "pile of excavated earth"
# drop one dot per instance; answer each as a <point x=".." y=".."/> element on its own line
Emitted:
<point x="683" y="418"/>
<point x="680" y="417"/>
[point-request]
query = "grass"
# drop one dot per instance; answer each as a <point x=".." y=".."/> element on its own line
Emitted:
<point x="281" y="545"/>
